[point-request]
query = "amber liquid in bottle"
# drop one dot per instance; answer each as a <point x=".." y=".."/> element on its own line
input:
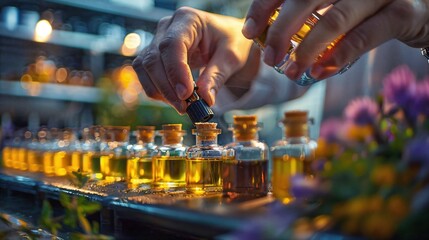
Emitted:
<point x="246" y="166"/>
<point x="115" y="155"/>
<point x="245" y="176"/>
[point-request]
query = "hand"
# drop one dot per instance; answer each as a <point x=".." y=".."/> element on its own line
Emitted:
<point x="360" y="25"/>
<point x="193" y="39"/>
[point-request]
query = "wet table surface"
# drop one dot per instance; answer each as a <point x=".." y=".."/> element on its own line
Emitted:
<point x="206" y="216"/>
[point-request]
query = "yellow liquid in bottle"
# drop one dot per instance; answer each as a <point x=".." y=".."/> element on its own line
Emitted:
<point x="115" y="168"/>
<point x="48" y="163"/>
<point x="283" y="169"/>
<point x="203" y="175"/>
<point x="139" y="170"/>
<point x="7" y="157"/>
<point x="62" y="162"/>
<point x="22" y="159"/>
<point x="76" y="158"/>
<point x="35" y="161"/>
<point x="86" y="162"/>
<point x="169" y="172"/>
<point x="15" y="157"/>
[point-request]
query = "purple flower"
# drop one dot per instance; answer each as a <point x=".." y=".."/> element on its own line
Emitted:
<point x="417" y="153"/>
<point x="362" y="111"/>
<point x="422" y="97"/>
<point x="304" y="188"/>
<point x="329" y="129"/>
<point x="399" y="87"/>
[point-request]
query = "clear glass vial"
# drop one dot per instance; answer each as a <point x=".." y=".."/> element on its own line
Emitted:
<point x="115" y="154"/>
<point x="169" y="161"/>
<point x="297" y="38"/>
<point x="92" y="142"/>
<point x="245" y="168"/>
<point x="292" y="155"/>
<point x="139" y="167"/>
<point x="204" y="160"/>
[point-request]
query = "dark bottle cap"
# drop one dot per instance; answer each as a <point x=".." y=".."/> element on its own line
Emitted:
<point x="199" y="111"/>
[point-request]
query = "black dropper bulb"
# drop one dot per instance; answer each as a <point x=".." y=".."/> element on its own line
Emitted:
<point x="198" y="110"/>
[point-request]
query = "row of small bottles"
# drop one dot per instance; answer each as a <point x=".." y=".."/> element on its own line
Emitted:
<point x="240" y="167"/>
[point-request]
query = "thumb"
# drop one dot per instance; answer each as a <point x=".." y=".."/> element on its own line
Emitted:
<point x="220" y="68"/>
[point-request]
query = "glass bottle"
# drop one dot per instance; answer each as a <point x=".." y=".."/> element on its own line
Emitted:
<point x="91" y="144"/>
<point x="139" y="167"/>
<point x="36" y="150"/>
<point x="115" y="154"/>
<point x="169" y="162"/>
<point x="296" y="39"/>
<point x="7" y="152"/>
<point x="204" y="160"/>
<point x="49" y="148"/>
<point x="65" y="159"/>
<point x="22" y="152"/>
<point x="292" y="155"/>
<point x="14" y="148"/>
<point x="245" y="169"/>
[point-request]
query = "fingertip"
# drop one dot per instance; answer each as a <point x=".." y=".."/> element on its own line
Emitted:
<point x="249" y="28"/>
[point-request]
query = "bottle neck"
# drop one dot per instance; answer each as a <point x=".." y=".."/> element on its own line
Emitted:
<point x="296" y="130"/>
<point x="245" y="136"/>
<point x="205" y="140"/>
<point x="172" y="139"/>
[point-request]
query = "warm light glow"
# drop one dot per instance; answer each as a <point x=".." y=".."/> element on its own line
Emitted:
<point x="128" y="51"/>
<point x="61" y="75"/>
<point x="43" y="31"/>
<point x="132" y="41"/>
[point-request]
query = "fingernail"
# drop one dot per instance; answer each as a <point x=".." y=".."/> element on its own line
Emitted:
<point x="292" y="70"/>
<point x="269" y="55"/>
<point x="181" y="91"/>
<point x="212" y="96"/>
<point x="249" y="28"/>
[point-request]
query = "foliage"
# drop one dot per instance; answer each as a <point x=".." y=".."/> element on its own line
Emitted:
<point x="76" y="208"/>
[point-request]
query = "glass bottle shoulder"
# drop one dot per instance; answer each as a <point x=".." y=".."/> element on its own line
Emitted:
<point x="207" y="151"/>
<point x="171" y="150"/>
<point x="294" y="146"/>
<point x="247" y="150"/>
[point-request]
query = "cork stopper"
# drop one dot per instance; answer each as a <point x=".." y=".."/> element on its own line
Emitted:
<point x="172" y="133"/>
<point x="207" y="129"/>
<point x="146" y="133"/>
<point x="117" y="133"/>
<point x="295" y="116"/>
<point x="245" y="127"/>
<point x="295" y="123"/>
